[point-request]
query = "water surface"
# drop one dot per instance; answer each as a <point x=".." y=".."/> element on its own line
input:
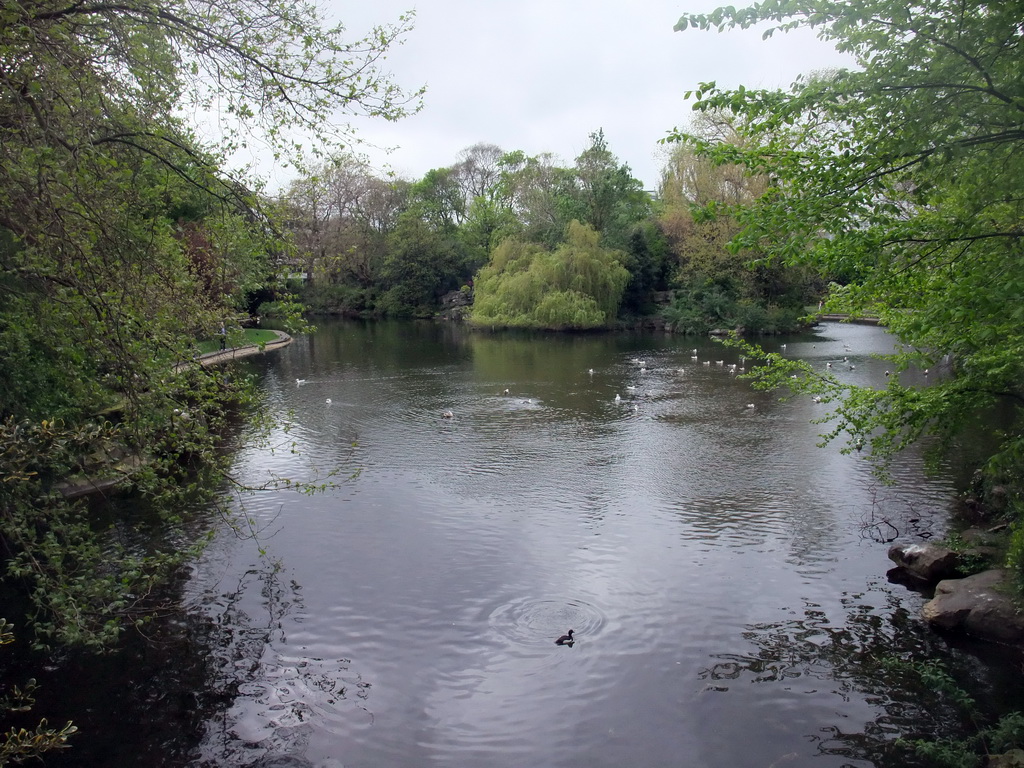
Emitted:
<point x="724" y="576"/>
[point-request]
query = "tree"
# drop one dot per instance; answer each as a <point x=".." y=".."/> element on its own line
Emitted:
<point x="690" y="180"/>
<point x="597" y="190"/>
<point x="607" y="197"/>
<point x="648" y="268"/>
<point x="381" y="204"/>
<point x="477" y="171"/>
<point x="719" y="286"/>
<point x="97" y="174"/>
<point x="123" y="239"/>
<point x="439" y="199"/>
<point x="311" y="208"/>
<point x="421" y="265"/>
<point x="576" y="286"/>
<point x="487" y="224"/>
<point x="339" y="214"/>
<point x="489" y="218"/>
<point x="535" y="189"/>
<point x="698" y="197"/>
<point x="907" y="176"/>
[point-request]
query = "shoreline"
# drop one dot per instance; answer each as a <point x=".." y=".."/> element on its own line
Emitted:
<point x="88" y="486"/>
<point x="234" y="353"/>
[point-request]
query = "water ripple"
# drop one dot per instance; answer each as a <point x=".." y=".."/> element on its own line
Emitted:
<point x="698" y="548"/>
<point x="532" y="622"/>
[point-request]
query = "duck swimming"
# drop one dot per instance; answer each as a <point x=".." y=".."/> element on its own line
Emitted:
<point x="565" y="639"/>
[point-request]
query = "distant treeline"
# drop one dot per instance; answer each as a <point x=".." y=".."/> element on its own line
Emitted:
<point x="535" y="244"/>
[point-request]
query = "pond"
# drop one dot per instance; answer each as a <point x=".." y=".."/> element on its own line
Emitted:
<point x="725" y="577"/>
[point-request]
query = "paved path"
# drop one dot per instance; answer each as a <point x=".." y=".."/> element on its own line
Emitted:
<point x="233" y="353"/>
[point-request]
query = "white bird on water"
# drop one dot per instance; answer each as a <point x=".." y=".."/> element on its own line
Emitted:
<point x="447" y="415"/>
<point x="328" y="401"/>
<point x="617" y="398"/>
<point x="299" y="382"/>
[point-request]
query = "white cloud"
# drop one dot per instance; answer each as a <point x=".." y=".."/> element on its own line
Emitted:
<point x="541" y="75"/>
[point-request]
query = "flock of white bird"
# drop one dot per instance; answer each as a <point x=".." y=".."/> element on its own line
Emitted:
<point x="641" y="365"/>
<point x="642" y="368"/>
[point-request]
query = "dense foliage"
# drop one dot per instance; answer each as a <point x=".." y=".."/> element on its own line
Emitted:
<point x="123" y="240"/>
<point x="904" y="179"/>
<point x="19" y="743"/>
<point x="576" y="286"/>
<point x="719" y="285"/>
<point x="370" y="246"/>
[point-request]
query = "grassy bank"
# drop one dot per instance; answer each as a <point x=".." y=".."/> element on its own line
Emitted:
<point x="238" y="338"/>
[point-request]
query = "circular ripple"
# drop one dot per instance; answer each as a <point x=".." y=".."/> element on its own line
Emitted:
<point x="530" y="621"/>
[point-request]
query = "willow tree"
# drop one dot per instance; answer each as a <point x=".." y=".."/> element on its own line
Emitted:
<point x="904" y="175"/>
<point x="718" y="286"/>
<point x="123" y="238"/>
<point x="576" y="286"/>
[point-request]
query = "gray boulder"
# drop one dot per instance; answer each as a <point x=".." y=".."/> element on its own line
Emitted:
<point x="929" y="563"/>
<point x="982" y="605"/>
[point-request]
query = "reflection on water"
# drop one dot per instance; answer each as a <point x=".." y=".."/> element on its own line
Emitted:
<point x="724" y="576"/>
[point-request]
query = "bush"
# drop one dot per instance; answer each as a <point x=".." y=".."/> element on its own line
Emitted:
<point x="703" y="305"/>
<point x="340" y="298"/>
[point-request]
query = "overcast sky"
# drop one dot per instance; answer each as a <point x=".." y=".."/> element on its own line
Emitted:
<point x="542" y="75"/>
